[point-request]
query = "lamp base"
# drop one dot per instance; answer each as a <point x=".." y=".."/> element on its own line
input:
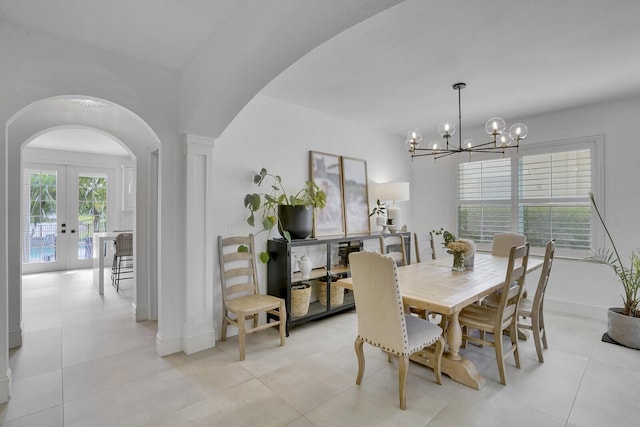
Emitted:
<point x="393" y="214"/>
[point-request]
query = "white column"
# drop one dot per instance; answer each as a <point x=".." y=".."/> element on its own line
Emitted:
<point x="199" y="327"/>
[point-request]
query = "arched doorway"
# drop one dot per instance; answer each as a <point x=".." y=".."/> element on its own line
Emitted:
<point x="109" y="119"/>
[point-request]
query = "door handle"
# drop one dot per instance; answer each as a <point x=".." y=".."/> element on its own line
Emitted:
<point x="73" y="231"/>
<point x="63" y="231"/>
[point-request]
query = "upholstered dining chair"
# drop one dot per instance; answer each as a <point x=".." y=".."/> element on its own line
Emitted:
<point x="531" y="312"/>
<point x="382" y="321"/>
<point x="424" y="246"/>
<point x="241" y="299"/>
<point x="494" y="321"/>
<point x="503" y="242"/>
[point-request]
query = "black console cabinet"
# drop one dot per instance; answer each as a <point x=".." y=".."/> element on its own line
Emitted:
<point x="330" y="263"/>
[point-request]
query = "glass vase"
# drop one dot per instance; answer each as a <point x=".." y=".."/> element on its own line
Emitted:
<point x="458" y="262"/>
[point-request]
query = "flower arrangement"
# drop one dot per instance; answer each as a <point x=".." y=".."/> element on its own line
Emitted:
<point x="457" y="247"/>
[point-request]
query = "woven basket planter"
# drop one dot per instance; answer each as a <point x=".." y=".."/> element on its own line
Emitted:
<point x="337" y="293"/>
<point x="300" y="297"/>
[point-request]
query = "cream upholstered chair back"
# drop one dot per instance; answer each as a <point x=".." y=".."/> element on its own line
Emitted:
<point x="503" y="242"/>
<point x="392" y="246"/>
<point x="382" y="321"/>
<point x="378" y="301"/>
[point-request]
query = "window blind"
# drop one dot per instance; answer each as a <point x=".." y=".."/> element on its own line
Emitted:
<point x="543" y="195"/>
<point x="553" y="198"/>
<point x="484" y="195"/>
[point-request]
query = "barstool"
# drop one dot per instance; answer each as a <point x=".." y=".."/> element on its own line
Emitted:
<point x="123" y="254"/>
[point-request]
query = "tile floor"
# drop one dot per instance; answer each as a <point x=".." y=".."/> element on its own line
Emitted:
<point x="85" y="363"/>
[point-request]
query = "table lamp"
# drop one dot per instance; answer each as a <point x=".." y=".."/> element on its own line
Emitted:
<point x="393" y="192"/>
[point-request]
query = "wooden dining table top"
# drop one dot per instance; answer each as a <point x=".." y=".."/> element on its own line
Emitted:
<point x="432" y="284"/>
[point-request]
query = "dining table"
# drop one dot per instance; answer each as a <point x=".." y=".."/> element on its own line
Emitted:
<point x="432" y="285"/>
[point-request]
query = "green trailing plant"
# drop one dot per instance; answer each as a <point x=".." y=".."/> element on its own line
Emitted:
<point x="629" y="276"/>
<point x="264" y="206"/>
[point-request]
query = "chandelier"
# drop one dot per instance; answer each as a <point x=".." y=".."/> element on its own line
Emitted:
<point x="495" y="127"/>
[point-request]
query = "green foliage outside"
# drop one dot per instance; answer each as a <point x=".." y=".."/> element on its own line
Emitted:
<point x="569" y="225"/>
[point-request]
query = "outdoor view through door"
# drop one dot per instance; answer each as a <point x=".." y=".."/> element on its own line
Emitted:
<point x="51" y="237"/>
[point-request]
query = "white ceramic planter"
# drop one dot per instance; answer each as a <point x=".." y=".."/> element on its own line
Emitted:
<point x="623" y="329"/>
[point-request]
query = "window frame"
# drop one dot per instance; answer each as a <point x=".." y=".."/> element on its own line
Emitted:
<point x="595" y="143"/>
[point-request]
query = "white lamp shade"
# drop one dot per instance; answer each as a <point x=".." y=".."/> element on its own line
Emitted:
<point x="393" y="191"/>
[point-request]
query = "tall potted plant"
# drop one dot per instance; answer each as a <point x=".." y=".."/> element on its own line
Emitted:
<point x="623" y="322"/>
<point x="293" y="214"/>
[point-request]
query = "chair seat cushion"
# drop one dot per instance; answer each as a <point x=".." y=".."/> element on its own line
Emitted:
<point x="422" y="333"/>
<point x="250" y="304"/>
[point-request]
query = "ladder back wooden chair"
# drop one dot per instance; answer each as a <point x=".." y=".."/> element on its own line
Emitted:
<point x="534" y="309"/>
<point x="494" y="321"/>
<point x="241" y="298"/>
<point x="422" y="242"/>
<point x="382" y="321"/>
<point x="393" y="247"/>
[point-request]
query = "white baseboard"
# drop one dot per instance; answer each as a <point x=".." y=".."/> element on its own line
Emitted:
<point x="139" y="313"/>
<point x="168" y="345"/>
<point x="576" y="309"/>
<point x="5" y="387"/>
<point x="199" y="341"/>
<point x="15" y="338"/>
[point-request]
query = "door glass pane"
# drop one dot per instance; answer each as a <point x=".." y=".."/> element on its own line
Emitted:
<point x="92" y="211"/>
<point x="39" y="236"/>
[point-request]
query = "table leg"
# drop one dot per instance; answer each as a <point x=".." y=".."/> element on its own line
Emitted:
<point x="101" y="268"/>
<point x="456" y="367"/>
<point x="454" y="337"/>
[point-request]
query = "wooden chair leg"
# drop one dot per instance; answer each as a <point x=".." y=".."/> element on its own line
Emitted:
<point x="241" y="333"/>
<point x="437" y="363"/>
<point x="544" y="330"/>
<point x="500" y="358"/>
<point x="282" y="312"/>
<point x="513" y="336"/>
<point x="536" y="339"/>
<point x="225" y="324"/>
<point x="360" y="355"/>
<point x="403" y="371"/>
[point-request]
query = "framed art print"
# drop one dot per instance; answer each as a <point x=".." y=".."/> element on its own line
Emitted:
<point x="326" y="173"/>
<point x="356" y="198"/>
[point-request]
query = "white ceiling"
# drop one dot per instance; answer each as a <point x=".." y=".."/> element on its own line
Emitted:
<point x="163" y="32"/>
<point x="395" y="70"/>
<point x="79" y="141"/>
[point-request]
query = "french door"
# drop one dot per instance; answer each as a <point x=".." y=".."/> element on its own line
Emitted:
<point x="62" y="207"/>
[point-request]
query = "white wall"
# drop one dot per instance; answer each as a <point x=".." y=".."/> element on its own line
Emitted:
<point x="278" y="136"/>
<point x="581" y="287"/>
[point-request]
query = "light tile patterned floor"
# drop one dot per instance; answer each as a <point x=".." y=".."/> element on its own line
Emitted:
<point x="84" y="362"/>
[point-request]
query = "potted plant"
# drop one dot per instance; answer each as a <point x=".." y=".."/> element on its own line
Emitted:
<point x="293" y="214"/>
<point x="623" y="322"/>
<point x="380" y="210"/>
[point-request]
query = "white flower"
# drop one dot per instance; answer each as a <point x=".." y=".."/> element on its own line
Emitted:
<point x="472" y="246"/>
